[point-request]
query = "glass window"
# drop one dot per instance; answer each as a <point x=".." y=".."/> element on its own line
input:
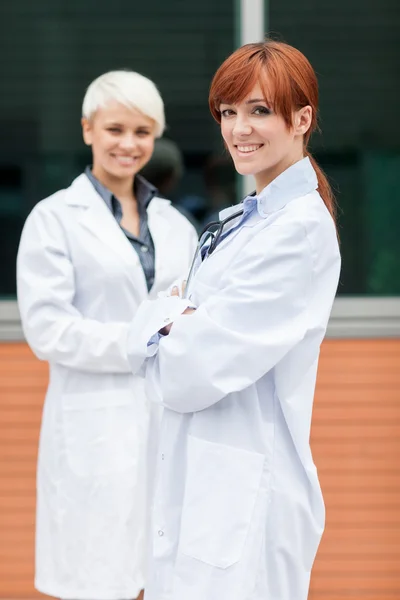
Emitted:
<point x="52" y="50"/>
<point x="356" y="52"/>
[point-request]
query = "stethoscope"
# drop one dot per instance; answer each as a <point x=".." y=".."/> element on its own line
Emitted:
<point x="211" y="233"/>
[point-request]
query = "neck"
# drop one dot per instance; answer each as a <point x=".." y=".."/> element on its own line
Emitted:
<point x="120" y="188"/>
<point x="266" y="177"/>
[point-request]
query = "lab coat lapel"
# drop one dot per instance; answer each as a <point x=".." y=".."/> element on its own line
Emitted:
<point x="252" y="220"/>
<point x="97" y="218"/>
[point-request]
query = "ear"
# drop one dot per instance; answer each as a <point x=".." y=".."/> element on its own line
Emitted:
<point x="86" y="131"/>
<point x="302" y="120"/>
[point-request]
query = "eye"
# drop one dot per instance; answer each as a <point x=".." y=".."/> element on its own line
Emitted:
<point x="114" y="129"/>
<point x="227" y="112"/>
<point x="262" y="110"/>
<point x="143" y="132"/>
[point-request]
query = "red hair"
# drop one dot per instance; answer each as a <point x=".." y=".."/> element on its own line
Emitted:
<point x="288" y="82"/>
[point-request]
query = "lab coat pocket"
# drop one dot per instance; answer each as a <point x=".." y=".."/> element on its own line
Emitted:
<point x="101" y="434"/>
<point x="222" y="485"/>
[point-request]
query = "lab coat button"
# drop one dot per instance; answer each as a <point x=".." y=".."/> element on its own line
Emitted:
<point x="162" y="456"/>
<point x="160" y="533"/>
<point x="144" y="249"/>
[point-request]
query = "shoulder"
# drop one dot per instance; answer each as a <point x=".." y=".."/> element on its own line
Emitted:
<point x="307" y="214"/>
<point x="57" y="203"/>
<point x="307" y="218"/>
<point x="50" y="203"/>
<point x="302" y="231"/>
<point x="48" y="209"/>
<point x="51" y="215"/>
<point x="44" y="226"/>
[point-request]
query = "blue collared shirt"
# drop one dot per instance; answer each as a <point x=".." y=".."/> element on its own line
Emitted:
<point x="143" y="245"/>
<point x="248" y="207"/>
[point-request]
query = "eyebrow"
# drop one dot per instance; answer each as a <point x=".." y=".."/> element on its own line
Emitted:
<point x="116" y="124"/>
<point x="252" y="101"/>
<point x="255" y="100"/>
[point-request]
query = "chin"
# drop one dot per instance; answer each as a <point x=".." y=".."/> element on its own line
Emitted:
<point x="123" y="173"/>
<point x="245" y="170"/>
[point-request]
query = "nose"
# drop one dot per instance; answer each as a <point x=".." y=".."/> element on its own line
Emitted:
<point x="242" y="126"/>
<point x="128" y="141"/>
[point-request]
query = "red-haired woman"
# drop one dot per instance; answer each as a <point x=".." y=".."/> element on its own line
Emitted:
<point x="238" y="511"/>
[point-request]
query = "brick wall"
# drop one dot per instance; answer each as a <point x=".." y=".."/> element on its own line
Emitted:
<point x="356" y="445"/>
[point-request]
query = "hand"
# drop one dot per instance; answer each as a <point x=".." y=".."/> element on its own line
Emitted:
<point x="175" y="292"/>
<point x="178" y="288"/>
<point x="188" y="311"/>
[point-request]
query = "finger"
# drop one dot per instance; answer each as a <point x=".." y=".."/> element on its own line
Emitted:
<point x="183" y="286"/>
<point x="165" y="330"/>
<point x="175" y="291"/>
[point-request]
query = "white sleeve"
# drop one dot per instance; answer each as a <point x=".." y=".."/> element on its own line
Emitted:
<point x="242" y="331"/>
<point x="55" y="330"/>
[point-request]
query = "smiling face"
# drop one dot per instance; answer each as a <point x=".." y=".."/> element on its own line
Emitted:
<point x="122" y="141"/>
<point x="259" y="140"/>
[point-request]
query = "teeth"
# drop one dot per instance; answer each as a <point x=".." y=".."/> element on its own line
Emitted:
<point x="125" y="159"/>
<point x="248" y="148"/>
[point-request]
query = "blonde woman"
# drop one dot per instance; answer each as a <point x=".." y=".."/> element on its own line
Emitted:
<point x="89" y="255"/>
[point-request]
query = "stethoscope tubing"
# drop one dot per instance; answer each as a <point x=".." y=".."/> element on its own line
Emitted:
<point x="214" y="243"/>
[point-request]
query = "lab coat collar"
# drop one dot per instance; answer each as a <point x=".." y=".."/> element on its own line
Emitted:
<point x="231" y="210"/>
<point x="82" y="193"/>
<point x="298" y="180"/>
<point x="98" y="218"/>
<point x="143" y="189"/>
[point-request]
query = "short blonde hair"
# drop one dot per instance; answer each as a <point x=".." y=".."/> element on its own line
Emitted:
<point x="128" y="88"/>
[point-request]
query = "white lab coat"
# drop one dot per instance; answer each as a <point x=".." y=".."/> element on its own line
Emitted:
<point x="80" y="283"/>
<point x="238" y="512"/>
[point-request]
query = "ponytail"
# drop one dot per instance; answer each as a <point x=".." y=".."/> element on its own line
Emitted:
<point x="324" y="189"/>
